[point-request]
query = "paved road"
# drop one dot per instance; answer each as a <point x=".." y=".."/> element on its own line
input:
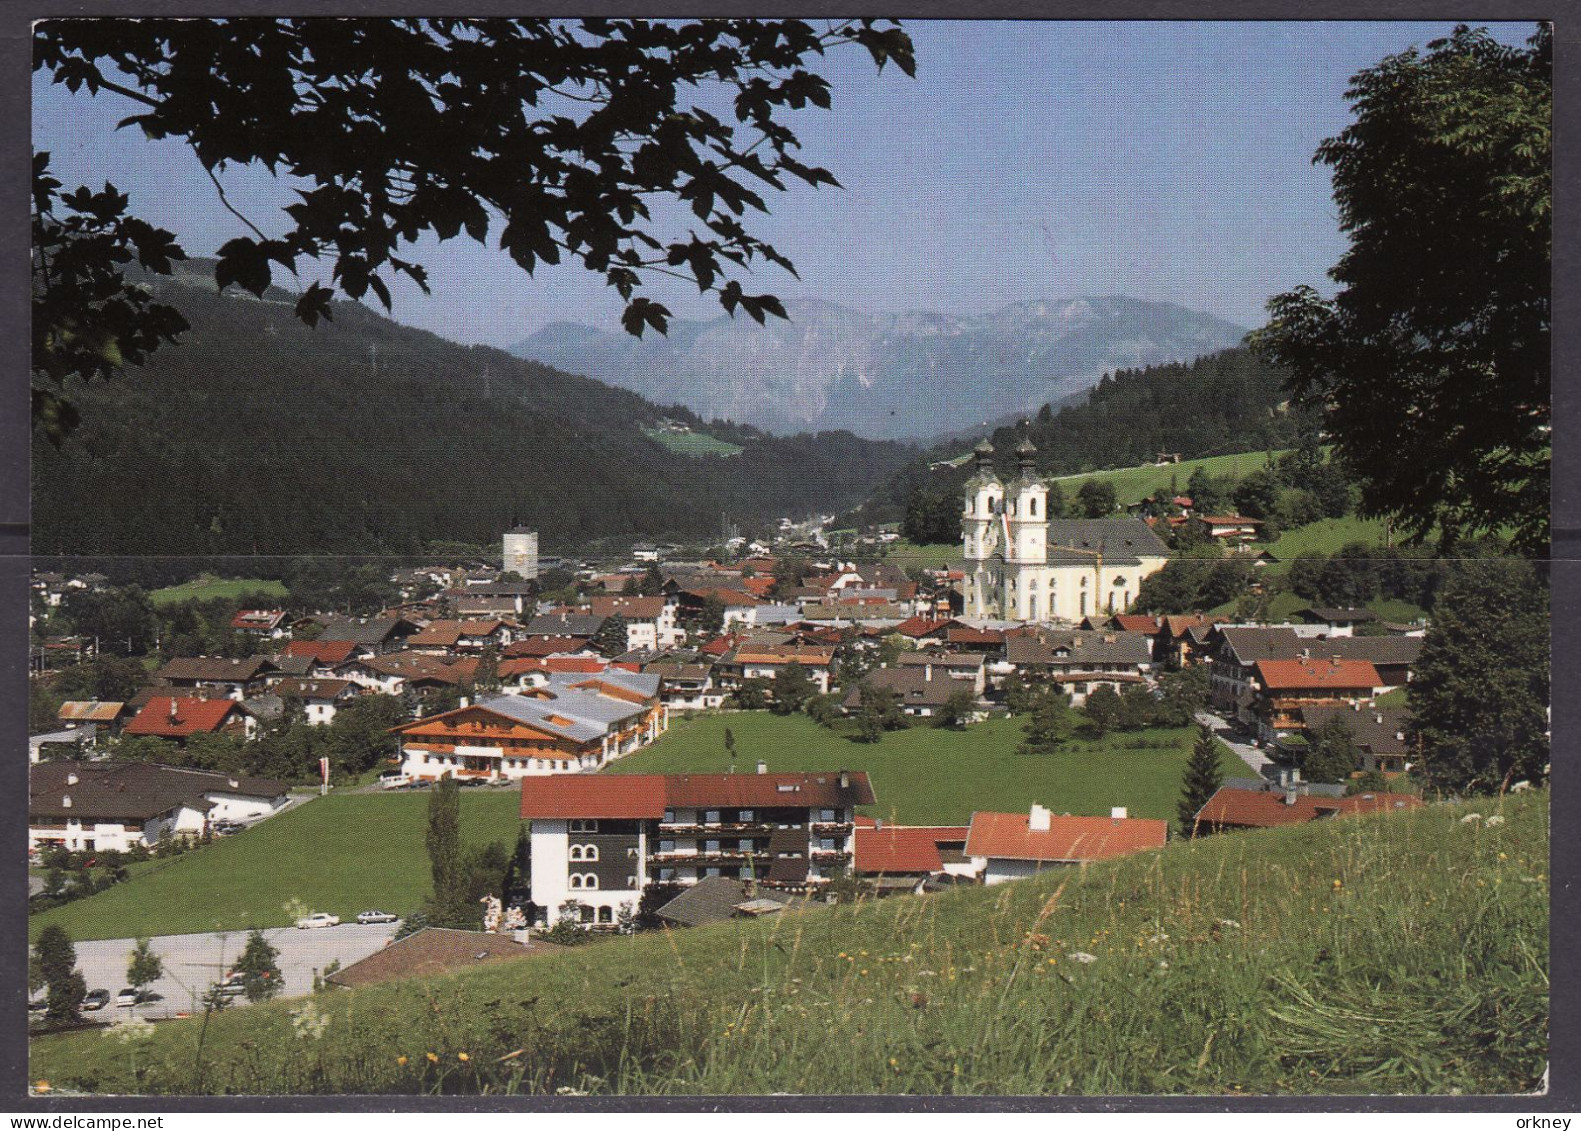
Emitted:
<point x="194" y="962"/>
<point x="1249" y="754"/>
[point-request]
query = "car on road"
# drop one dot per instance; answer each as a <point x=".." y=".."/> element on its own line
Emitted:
<point x="227" y="828"/>
<point x="394" y="780"/>
<point x="317" y="919"/>
<point x="233" y="985"/>
<point x="376" y="917"/>
<point x="96" y="999"/>
<point x="130" y="997"/>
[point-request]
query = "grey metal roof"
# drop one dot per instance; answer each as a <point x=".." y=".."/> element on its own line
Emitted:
<point x="1122" y="541"/>
<point x="1080" y="648"/>
<point x="564" y="624"/>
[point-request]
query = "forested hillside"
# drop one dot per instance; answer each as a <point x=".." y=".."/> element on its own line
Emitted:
<point x="259" y="435"/>
<point x="1225" y="402"/>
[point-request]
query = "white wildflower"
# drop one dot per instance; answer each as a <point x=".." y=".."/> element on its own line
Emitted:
<point x="1082" y="956"/>
<point x="1163" y="965"/>
<point x="1471" y="818"/>
<point x="1493" y="822"/>
<point x="567" y="1090"/>
<point x="1158" y="938"/>
<point x="308" y="1023"/>
<point x="131" y="1029"/>
<point x="1229" y="923"/>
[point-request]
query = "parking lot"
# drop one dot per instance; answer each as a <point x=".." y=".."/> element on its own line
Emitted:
<point x="194" y="962"/>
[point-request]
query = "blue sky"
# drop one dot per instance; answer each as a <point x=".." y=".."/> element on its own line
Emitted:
<point x="1163" y="160"/>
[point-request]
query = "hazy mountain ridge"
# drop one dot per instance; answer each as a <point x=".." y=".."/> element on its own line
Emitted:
<point x="911" y="374"/>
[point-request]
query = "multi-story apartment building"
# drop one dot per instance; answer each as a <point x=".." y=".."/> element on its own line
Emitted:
<point x="599" y="841"/>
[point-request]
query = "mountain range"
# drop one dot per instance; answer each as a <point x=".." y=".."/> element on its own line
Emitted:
<point x="885" y="376"/>
<point x="258" y="435"/>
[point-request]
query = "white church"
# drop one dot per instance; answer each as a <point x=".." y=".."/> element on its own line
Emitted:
<point x="1023" y="566"/>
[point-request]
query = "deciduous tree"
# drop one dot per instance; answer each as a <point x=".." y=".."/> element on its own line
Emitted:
<point x="1432" y="361"/>
<point x="551" y="139"/>
<point x="1479" y="699"/>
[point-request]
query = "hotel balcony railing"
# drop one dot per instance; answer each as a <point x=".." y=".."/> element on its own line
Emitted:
<point x="703" y="828"/>
<point x="831" y="828"/>
<point x="718" y="856"/>
<point x="829" y="855"/>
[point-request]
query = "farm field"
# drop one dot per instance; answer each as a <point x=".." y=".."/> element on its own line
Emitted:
<point x="693" y="443"/>
<point x="207" y="588"/>
<point x="343" y="854"/>
<point x="926" y="775"/>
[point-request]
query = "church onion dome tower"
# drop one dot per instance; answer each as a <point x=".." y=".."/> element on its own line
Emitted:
<point x="1025" y="464"/>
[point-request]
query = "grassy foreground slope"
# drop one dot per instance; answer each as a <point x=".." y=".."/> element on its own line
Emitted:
<point x="344" y="853"/>
<point x="1397" y="954"/>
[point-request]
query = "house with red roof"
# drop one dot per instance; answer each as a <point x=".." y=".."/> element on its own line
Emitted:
<point x="1275" y="807"/>
<point x="177" y="718"/>
<point x="325" y="652"/>
<point x="266" y="624"/>
<point x="1285" y="688"/>
<point x="600" y="840"/>
<point x="1009" y="846"/>
<point x="903" y="858"/>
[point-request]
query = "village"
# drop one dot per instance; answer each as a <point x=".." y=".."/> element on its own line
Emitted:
<point x="485" y="685"/>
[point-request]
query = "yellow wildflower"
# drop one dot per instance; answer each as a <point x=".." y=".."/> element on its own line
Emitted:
<point x="401" y="1060"/>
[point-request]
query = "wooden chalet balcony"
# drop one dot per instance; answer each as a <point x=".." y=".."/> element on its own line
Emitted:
<point x="831" y="828"/>
<point x="717" y="828"/>
<point x="718" y="856"/>
<point x="829" y="855"/>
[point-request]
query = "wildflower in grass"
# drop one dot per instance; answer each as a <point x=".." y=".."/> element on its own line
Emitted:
<point x="462" y="1057"/>
<point x="567" y="1090"/>
<point x="401" y="1061"/>
<point x="1338" y="884"/>
<point x="41" y="1088"/>
<point x="1082" y="956"/>
<point x="1470" y="818"/>
<point x="1228" y="923"/>
<point x="1503" y="856"/>
<point x="1493" y="822"/>
<point x="131" y="1029"/>
<point x="308" y="1023"/>
<point x="433" y="1058"/>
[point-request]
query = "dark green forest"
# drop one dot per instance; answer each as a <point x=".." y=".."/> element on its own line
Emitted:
<point x="258" y="435"/>
<point x="1225" y="402"/>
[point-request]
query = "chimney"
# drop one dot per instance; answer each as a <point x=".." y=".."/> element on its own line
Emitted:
<point x="845" y="779"/>
<point x="763" y="767"/>
<point x="173" y="708"/>
<point x="65" y="802"/>
<point x="71" y="779"/>
<point x="1038" y="819"/>
<point x="1117" y="813"/>
<point x="465" y="701"/>
<point x="1290" y="794"/>
<point x="927" y="673"/>
<point x="1378" y="718"/>
<point x="1334" y="660"/>
<point x="878" y="824"/>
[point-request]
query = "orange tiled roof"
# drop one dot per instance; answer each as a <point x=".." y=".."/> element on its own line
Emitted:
<point x="1317" y="675"/>
<point x="1266" y="809"/>
<point x="192" y="716"/>
<point x="1007" y="836"/>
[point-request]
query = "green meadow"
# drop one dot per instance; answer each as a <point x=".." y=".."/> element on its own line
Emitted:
<point x="925" y="775"/>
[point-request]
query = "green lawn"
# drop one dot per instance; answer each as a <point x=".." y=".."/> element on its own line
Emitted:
<point x="1324" y="537"/>
<point x="693" y="443"/>
<point x="344" y="853"/>
<point x="928" y="776"/>
<point x="207" y="588"/>
<point x="906" y="555"/>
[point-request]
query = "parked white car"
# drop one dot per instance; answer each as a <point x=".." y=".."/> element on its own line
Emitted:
<point x="318" y="919"/>
<point x="376" y="917"/>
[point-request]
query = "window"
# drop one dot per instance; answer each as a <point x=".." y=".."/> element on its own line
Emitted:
<point x="631" y="881"/>
<point x="827" y="844"/>
<point x="576" y="880"/>
<point x="746" y="844"/>
<point x="711" y="872"/>
<point x="606" y="914"/>
<point x="711" y="846"/>
<point x="669" y="816"/>
<point x="576" y="852"/>
<point x="584" y="825"/>
<point x="826" y="814"/>
<point x="711" y="817"/>
<point x="1032" y="506"/>
<point x="746" y="815"/>
<point x="589" y="881"/>
<point x="666" y="875"/>
<point x="584" y="852"/>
